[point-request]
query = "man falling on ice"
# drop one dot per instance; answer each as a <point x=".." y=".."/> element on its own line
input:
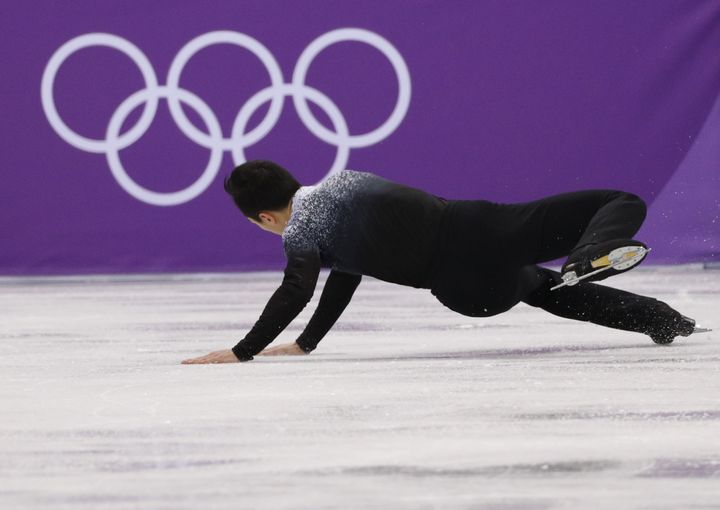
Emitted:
<point x="478" y="258"/>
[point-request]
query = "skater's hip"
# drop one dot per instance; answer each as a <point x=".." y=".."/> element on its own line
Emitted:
<point x="483" y="293"/>
<point x="482" y="234"/>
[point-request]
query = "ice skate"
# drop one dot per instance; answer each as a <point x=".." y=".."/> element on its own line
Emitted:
<point x="684" y="327"/>
<point x="595" y="262"/>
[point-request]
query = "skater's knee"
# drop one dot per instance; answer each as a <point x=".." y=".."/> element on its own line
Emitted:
<point x="632" y="204"/>
<point x="637" y="203"/>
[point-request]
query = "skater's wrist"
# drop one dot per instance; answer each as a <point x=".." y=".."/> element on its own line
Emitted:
<point x="306" y="346"/>
<point x="241" y="353"/>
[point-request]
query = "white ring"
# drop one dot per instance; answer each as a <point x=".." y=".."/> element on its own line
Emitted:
<point x="227" y="37"/>
<point x="308" y="93"/>
<point x="113" y="155"/>
<point x="213" y="139"/>
<point x="48" y="81"/>
<point x="385" y="47"/>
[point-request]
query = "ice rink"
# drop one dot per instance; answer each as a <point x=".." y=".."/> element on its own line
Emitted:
<point x="404" y="405"/>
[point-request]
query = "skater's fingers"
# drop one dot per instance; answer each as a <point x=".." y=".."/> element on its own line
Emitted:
<point x="226" y="356"/>
<point x="201" y="359"/>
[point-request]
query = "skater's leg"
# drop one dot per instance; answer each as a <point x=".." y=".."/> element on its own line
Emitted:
<point x="563" y="223"/>
<point x="488" y="248"/>
<point x="609" y="307"/>
<point x="515" y="235"/>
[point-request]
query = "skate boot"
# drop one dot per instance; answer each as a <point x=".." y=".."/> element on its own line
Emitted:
<point x="598" y="261"/>
<point x="684" y="326"/>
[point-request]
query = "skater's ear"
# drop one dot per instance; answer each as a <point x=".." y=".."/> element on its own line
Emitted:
<point x="270" y="221"/>
<point x="268" y="218"/>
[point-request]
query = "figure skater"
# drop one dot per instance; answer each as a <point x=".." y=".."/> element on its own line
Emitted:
<point x="478" y="258"/>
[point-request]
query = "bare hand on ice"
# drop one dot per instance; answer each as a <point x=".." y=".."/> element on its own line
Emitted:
<point x="226" y="356"/>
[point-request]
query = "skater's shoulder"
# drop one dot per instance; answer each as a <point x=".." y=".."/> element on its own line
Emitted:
<point x="348" y="176"/>
<point x="317" y="209"/>
<point x="298" y="241"/>
<point x="299" y="234"/>
<point x="341" y="185"/>
<point x="308" y="205"/>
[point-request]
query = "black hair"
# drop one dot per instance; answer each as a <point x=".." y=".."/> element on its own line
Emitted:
<point x="260" y="185"/>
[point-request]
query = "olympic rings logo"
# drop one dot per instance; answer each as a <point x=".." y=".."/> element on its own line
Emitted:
<point x="213" y="139"/>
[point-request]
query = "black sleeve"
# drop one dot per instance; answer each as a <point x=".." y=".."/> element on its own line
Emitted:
<point x="297" y="288"/>
<point x="336" y="295"/>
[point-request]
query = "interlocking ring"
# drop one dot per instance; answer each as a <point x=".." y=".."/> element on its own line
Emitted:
<point x="239" y="140"/>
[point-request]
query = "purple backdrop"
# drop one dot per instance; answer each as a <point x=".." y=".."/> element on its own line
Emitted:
<point x="508" y="101"/>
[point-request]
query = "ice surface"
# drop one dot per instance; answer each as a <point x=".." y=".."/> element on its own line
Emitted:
<point x="404" y="405"/>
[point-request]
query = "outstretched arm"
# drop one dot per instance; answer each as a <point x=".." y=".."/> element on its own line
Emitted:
<point x="296" y="290"/>
<point x="337" y="293"/>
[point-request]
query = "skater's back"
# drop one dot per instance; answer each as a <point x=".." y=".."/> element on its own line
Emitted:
<point x="357" y="222"/>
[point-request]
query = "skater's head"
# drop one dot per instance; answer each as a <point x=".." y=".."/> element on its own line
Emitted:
<point x="263" y="191"/>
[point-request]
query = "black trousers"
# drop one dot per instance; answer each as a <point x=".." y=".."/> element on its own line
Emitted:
<point x="490" y="251"/>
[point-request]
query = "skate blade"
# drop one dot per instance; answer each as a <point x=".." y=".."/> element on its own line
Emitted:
<point x="701" y="330"/>
<point x="620" y="258"/>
